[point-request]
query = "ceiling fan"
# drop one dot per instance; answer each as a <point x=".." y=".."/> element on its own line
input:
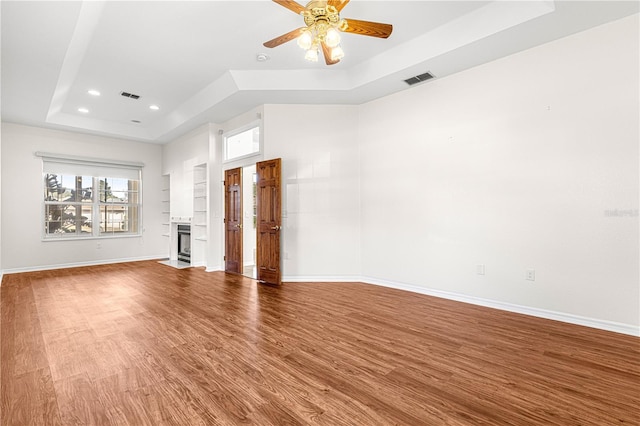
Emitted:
<point x="323" y="27"/>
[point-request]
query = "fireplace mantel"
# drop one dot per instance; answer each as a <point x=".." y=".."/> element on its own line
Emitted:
<point x="181" y="220"/>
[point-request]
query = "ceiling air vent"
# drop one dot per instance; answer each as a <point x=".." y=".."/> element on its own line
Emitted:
<point x="130" y="95"/>
<point x="419" y="78"/>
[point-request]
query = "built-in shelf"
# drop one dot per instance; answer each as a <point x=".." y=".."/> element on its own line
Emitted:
<point x="166" y="209"/>
<point x="199" y="231"/>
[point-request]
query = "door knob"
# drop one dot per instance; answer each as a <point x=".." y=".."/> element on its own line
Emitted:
<point x="276" y="228"/>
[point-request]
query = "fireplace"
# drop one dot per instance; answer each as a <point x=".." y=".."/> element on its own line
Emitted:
<point x="184" y="243"/>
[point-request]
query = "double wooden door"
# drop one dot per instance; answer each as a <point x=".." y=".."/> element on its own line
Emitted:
<point x="233" y="220"/>
<point x="268" y="221"/>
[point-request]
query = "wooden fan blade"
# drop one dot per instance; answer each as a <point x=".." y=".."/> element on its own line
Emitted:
<point x="291" y="35"/>
<point x="372" y="29"/>
<point x="338" y="4"/>
<point x="291" y="5"/>
<point x="327" y="55"/>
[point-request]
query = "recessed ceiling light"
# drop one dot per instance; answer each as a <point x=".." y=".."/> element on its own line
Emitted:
<point x="93" y="92"/>
<point x="83" y="110"/>
<point x="261" y="57"/>
<point x="154" y="107"/>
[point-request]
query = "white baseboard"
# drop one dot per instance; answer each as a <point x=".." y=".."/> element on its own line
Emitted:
<point x="80" y="264"/>
<point x="616" y="327"/>
<point x="322" y="279"/>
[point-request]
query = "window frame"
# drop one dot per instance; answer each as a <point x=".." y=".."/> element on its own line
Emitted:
<point x="130" y="171"/>
<point x="105" y="204"/>
<point x="249" y="126"/>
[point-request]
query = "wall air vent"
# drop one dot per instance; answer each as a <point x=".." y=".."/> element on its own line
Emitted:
<point x="419" y="78"/>
<point x="129" y="95"/>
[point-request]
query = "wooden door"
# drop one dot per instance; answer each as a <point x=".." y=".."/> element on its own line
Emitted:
<point x="269" y="221"/>
<point x="233" y="220"/>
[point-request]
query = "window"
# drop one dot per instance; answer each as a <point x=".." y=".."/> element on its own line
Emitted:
<point x="89" y="199"/>
<point x="242" y="143"/>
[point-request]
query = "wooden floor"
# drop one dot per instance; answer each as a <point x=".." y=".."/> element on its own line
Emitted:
<point x="146" y="344"/>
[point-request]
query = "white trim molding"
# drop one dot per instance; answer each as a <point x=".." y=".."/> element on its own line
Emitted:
<point x="630" y="329"/>
<point x="322" y="279"/>
<point x="80" y="264"/>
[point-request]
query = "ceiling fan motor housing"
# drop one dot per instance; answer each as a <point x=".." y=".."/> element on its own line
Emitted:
<point x="318" y="11"/>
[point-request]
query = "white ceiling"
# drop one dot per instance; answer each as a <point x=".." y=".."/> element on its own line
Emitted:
<point x="196" y="60"/>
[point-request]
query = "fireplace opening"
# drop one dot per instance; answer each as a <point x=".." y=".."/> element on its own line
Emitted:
<point x="184" y="243"/>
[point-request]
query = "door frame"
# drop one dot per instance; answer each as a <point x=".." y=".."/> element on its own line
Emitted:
<point x="236" y="163"/>
<point x="246" y="162"/>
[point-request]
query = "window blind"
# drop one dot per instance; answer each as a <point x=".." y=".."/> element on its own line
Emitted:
<point x="85" y="166"/>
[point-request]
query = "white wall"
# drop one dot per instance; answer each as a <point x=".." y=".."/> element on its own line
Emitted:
<point x="178" y="160"/>
<point x="204" y="145"/>
<point x="530" y="161"/>
<point x="520" y="163"/>
<point x="22" y="196"/>
<point x="320" y="185"/>
<point x="320" y="180"/>
<point x="215" y="247"/>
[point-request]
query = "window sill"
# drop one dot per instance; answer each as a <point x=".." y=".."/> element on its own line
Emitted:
<point x="109" y="237"/>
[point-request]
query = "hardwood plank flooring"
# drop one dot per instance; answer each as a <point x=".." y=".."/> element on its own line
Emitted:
<point x="145" y="344"/>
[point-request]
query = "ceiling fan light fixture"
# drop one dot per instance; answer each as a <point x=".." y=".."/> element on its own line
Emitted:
<point x="305" y="40"/>
<point x="332" y="38"/>
<point x="323" y="28"/>
<point x="311" y="55"/>
<point x="337" y="53"/>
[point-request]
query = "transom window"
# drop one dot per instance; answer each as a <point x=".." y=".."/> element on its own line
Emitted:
<point x="90" y="205"/>
<point x="242" y="143"/>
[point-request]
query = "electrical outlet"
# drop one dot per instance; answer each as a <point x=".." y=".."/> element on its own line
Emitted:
<point x="98" y="245"/>
<point x="531" y="275"/>
<point x="480" y="269"/>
